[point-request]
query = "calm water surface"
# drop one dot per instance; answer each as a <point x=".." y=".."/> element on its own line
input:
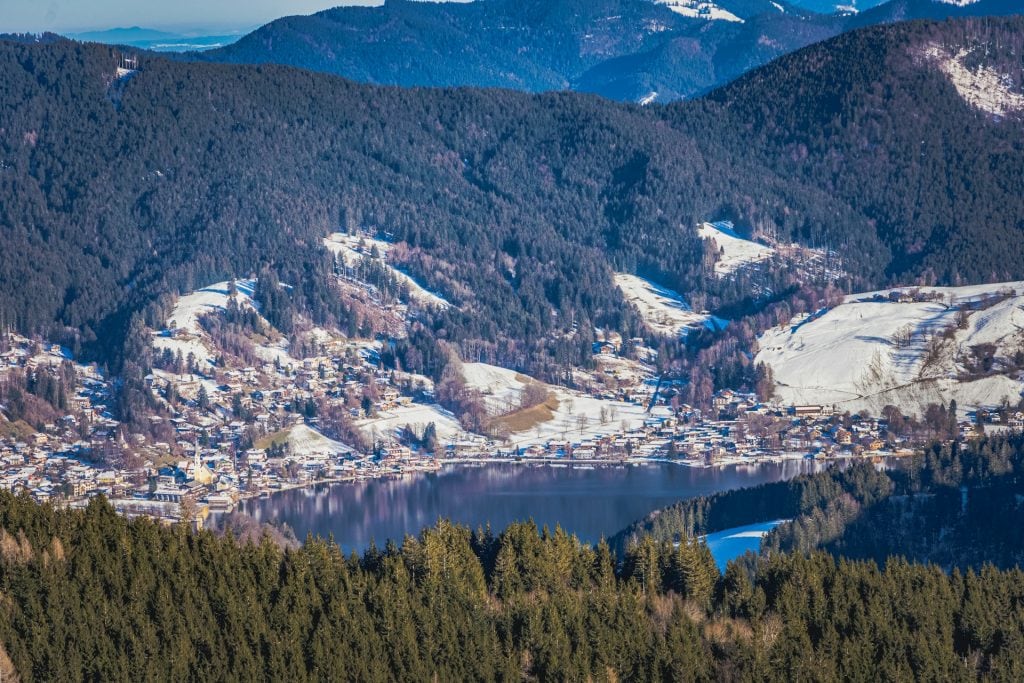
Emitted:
<point x="590" y="503"/>
<point x="731" y="543"/>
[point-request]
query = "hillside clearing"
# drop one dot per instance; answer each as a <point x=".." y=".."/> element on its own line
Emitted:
<point x="936" y="345"/>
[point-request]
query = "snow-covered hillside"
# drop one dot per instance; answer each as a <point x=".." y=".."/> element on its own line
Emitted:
<point x="305" y="442"/>
<point x="983" y="87"/>
<point x="567" y="415"/>
<point x="502" y="389"/>
<point x="184" y="334"/>
<point x="736" y="252"/>
<point x="908" y="349"/>
<point x="663" y="310"/>
<point x="387" y="425"/>
<point x="700" y="9"/>
<point x="353" y="248"/>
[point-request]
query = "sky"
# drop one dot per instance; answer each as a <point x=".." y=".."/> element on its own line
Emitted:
<point x="69" y="16"/>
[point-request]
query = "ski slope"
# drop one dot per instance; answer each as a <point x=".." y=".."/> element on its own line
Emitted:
<point x="736" y="252"/>
<point x="869" y="352"/>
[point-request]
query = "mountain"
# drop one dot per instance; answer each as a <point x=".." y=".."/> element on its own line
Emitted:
<point x="158" y="41"/>
<point x="518" y="210"/>
<point x="533" y="45"/>
<point x="634" y="50"/>
<point x="918" y="125"/>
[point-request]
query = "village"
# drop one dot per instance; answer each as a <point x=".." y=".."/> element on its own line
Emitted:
<point x="240" y="410"/>
<point x="248" y="432"/>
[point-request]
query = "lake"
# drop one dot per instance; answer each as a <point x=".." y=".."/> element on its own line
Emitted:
<point x="590" y="503"/>
<point x="731" y="543"/>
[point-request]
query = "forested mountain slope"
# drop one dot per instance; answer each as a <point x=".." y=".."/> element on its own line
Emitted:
<point x="516" y="208"/>
<point x="917" y="125"/>
<point x="622" y="49"/>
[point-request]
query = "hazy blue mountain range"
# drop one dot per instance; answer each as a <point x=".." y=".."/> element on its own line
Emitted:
<point x="158" y="41"/>
<point x="635" y="50"/>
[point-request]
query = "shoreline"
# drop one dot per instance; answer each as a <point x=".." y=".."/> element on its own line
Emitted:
<point x="558" y="463"/>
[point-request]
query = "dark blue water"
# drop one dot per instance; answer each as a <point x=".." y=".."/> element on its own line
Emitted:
<point x="590" y="503"/>
<point x="731" y="543"/>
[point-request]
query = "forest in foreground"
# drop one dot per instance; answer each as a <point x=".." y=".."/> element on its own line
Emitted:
<point x="89" y="595"/>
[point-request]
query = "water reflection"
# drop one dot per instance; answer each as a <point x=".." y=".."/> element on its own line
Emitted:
<point x="588" y="502"/>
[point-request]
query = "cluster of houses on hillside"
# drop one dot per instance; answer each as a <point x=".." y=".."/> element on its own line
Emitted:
<point x="232" y="432"/>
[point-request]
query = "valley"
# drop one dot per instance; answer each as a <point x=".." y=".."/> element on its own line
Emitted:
<point x="514" y="340"/>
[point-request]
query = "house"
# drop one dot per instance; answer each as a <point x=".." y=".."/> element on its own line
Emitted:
<point x="808" y="411"/>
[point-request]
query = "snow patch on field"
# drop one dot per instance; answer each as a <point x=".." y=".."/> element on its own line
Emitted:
<point x="663" y="310"/>
<point x="388" y="424"/>
<point x="306" y="442"/>
<point x="736" y="252"/>
<point x="869" y="352"/>
<point x="700" y="9"/>
<point x="352" y="249"/>
<point x="983" y="88"/>
<point x="577" y="416"/>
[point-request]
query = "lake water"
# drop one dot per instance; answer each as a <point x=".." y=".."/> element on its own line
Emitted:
<point x="731" y="543"/>
<point x="590" y="503"/>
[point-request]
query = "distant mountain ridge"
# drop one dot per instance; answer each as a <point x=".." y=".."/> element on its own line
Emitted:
<point x="632" y="50"/>
<point x="156" y="40"/>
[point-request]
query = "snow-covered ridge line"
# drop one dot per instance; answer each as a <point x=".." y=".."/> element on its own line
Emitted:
<point x="700" y="9"/>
